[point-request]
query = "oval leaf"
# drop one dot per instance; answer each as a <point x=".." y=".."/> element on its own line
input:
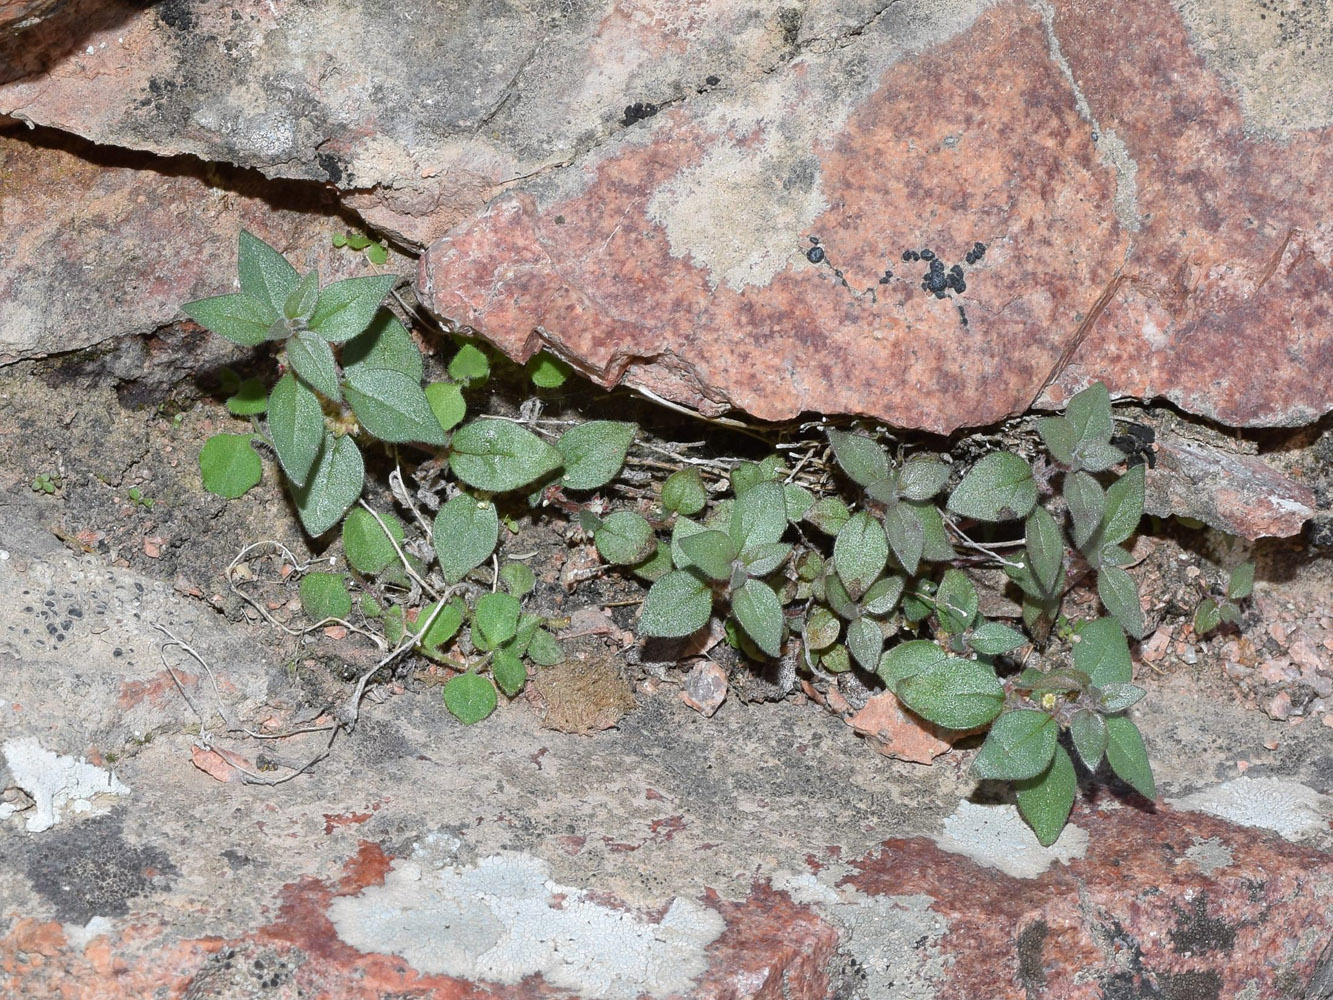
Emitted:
<point x="759" y="515"/>
<point x="312" y="359"/>
<point x="1102" y="652"/>
<point x="366" y="545"/>
<point x="1120" y="595"/>
<point x="509" y="672"/>
<point x="446" y="402"/>
<point x="265" y="274"/>
<point x="334" y="485"/>
<point x="711" y="551"/>
<point x="345" y="308"/>
<point x="624" y="538"/>
<point x="677" y="605"/>
<point x="392" y="406"/>
<point x="1088" y="731"/>
<point x="1128" y="757"/>
<point x="1045" y="801"/>
<point x="992" y="639"/>
<point x="470" y="698"/>
<point x="296" y="425"/>
<point x="1087" y="504"/>
<point x="1124" y="507"/>
<point x="384" y="344"/>
<point x="956" y="602"/>
<point x="465" y="532"/>
<point x="860" y="554"/>
<point x="1045" y="548"/>
<point x="594" y="452"/>
<point x="496" y="455"/>
<point x="922" y="478"/>
<point x="324" y="595"/>
<point x="239" y="318"/>
<point x="865" y="639"/>
<point x="757" y="608"/>
<point x="229" y="466"/>
<point x="860" y="457"/>
<point x="906" y="535"/>
<point x="684" y="492"/>
<point x="955" y="694"/>
<point x="496" y="616"/>
<point x="440" y="626"/>
<point x="1000" y="487"/>
<point x="1020" y="744"/>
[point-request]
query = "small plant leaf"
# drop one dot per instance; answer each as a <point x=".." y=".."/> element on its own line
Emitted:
<point x="828" y="514"/>
<point x="333" y="486"/>
<point x="296" y="424"/>
<point x="1102" y="652"/>
<point x="509" y="673"/>
<point x="1124" y="507"/>
<point x="547" y="372"/>
<point x="1241" y="584"/>
<point x="1020" y="744"/>
<point x="1206" y="617"/>
<point x="324" y="595"/>
<point x="1118" y="697"/>
<point x="711" y="551"/>
<point x="919" y="600"/>
<point x="745" y="475"/>
<point x="1098" y="456"/>
<point x="465" y="532"/>
<point x="1120" y="595"/>
<point x="250" y="399"/>
<point x="882" y="596"/>
<point x="837" y="598"/>
<point x="239" y="318"/>
<point x="1089" y="412"/>
<point x="656" y="565"/>
<point x="384" y="344"/>
<point x="860" y="553"/>
<point x="625" y="538"/>
<point x="905" y="535"/>
<point x="1087" y="505"/>
<point x="760" y="560"/>
<point x="860" y="457"/>
<point x="822" y="629"/>
<point x="392" y="406"/>
<point x="440" y="626"/>
<point x="446" y="402"/>
<point x="1045" y="548"/>
<point x="676" y="605"/>
<point x="681" y="530"/>
<point x="229" y="466"/>
<point x="922" y="478"/>
<point x="594" y="452"/>
<point x="759" y="515"/>
<point x="758" y="610"/>
<point x="544" y="650"/>
<point x="346" y="308"/>
<point x="470" y="698"/>
<point x="301" y="302"/>
<point x="836" y="660"/>
<point x="936" y="545"/>
<point x="469" y="365"/>
<point x="496" y="617"/>
<point x="999" y="487"/>
<point x="799" y="500"/>
<point x="684" y="492"/>
<point x="1046" y="800"/>
<point x="1128" y="757"/>
<point x="1088" y="731"/>
<point x="266" y="275"/>
<point x="1059" y="435"/>
<point x="865" y="641"/>
<point x="955" y="694"/>
<point x="367" y="548"/>
<point x="956" y="602"/>
<point x="992" y="638"/>
<point x="497" y="455"/>
<point x="518" y="578"/>
<point x="312" y="359"/>
<point x="908" y="659"/>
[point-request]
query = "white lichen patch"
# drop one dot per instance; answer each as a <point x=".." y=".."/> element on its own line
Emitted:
<point x="1285" y="807"/>
<point x="1209" y="855"/>
<point x="997" y="837"/>
<point x="54" y="782"/>
<point x="504" y="919"/>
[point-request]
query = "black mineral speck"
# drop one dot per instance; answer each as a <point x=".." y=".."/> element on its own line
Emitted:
<point x="927" y="254"/>
<point x="712" y="81"/>
<point x="331" y="167"/>
<point x="638" y="111"/>
<point x="815" y="255"/>
<point x="910" y="255"/>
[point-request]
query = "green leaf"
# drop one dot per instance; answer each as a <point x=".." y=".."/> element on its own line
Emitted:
<point x="860" y="457"/>
<point x="799" y="500"/>
<point x="1000" y="487"/>
<point x="885" y="490"/>
<point x="384" y="344"/>
<point x="393" y="625"/>
<point x="543" y="649"/>
<point x="860" y="553"/>
<point x="1088" y="731"/>
<point x="518" y="578"/>
<point x="1059" y="436"/>
<point x="992" y="639"/>
<point x="906" y="535"/>
<point x="681" y="530"/>
<point x="865" y="640"/>
<point x="758" y="610"/>
<point x="956" y="602"/>
<point x="446" y="402"/>
<point x="496" y="455"/>
<point x="442" y="626"/>
<point x="496" y="617"/>
<point x="828" y="514"/>
<point x="1120" y="594"/>
<point x="1241" y="584"/>
<point x="594" y="452"/>
<point x="266" y="275"/>
<point x="469" y="365"/>
<point x="1045" y="801"/>
<point x="1102" y="652"/>
<point x="1098" y="456"/>
<point x="918" y="601"/>
<point x="324" y="595"/>
<point x="296" y="424"/>
<point x="937" y="547"/>
<point x="955" y="694"/>
<point x="1206" y="617"/>
<point x="745" y="475"/>
<point x="822" y="629"/>
<point x="392" y="406"/>
<point x="509" y="672"/>
<point x="1128" y="757"/>
<point x="229" y="466"/>
<point x="711" y="551"/>
<point x="810" y="565"/>
<point x="377" y="254"/>
<point x="839" y="601"/>
<point x="367" y="548"/>
<point x="312" y="359"/>
<point x="465" y="532"/>
<point x="684" y="492"/>
<point x="922" y="478"/>
<point x="759" y="515"/>
<point x="1040" y="682"/>
<point x="1045" y="548"/>
<point x="301" y="302"/>
<point x="1087" y="505"/>
<point x="346" y="308"/>
<point x="251" y="398"/>
<point x="1124" y="507"/>
<point x="677" y="605"/>
<point x="1089" y="412"/>
<point x="1020" y="744"/>
<point x="907" y="659"/>
<point x="760" y="560"/>
<point x="625" y="538"/>
<point x="836" y="660"/>
<point x="547" y="372"/>
<point x="239" y="318"/>
<point x="1118" y="697"/>
<point x="334" y="485"/>
<point x="470" y="698"/>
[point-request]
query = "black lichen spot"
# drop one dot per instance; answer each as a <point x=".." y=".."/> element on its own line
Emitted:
<point x="1196" y="932"/>
<point x="927" y="254"/>
<point x="1204" y="985"/>
<point x="815" y="255"/>
<point x="910" y="255"/>
<point x="712" y="81"/>
<point x="1031" y="969"/>
<point x="962" y="315"/>
<point x="1137" y="444"/>
<point x="331" y="167"/>
<point x="87" y="870"/>
<point x="177" y="15"/>
<point x="637" y="112"/>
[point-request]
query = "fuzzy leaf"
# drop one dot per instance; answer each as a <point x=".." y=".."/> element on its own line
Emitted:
<point x="1045" y="801"/>
<point x="296" y="424"/>
<point x="1089" y="412"/>
<point x="239" y="318"/>
<point x="544" y="650"/>
<point x="1206" y="617"/>
<point x="936" y="545"/>
<point x="1241" y="584"/>
<point x="865" y="640"/>
<point x="760" y="560"/>
<point x="1020" y="744"/>
<point x="446" y="402"/>
<point x="684" y="492"/>
<point x="1102" y="652"/>
<point x="711" y="551"/>
<point x="509" y="672"/>
<point x="346" y="308"/>
<point x="301" y="302"/>
<point x="1045" y="548"/>
<point x="828" y="514"/>
<point x="469" y="365"/>
<point x="1087" y="504"/>
<point x="266" y="275"/>
<point x="1088" y="731"/>
<point x="392" y="406"/>
<point x="518" y="578"/>
<point x="384" y="344"/>
<point x="324" y="595"/>
<point x="470" y="698"/>
<point x="956" y="602"/>
<point x="624" y="538"/>
<point x="496" y="617"/>
<point x="907" y="659"/>
<point x="799" y="500"/>
<point x="955" y="694"/>
<point x="759" y="515"/>
<point x="1128" y="756"/>
<point x="922" y="478"/>
<point x="1118" y="697"/>
<point x="250" y="399"/>
<point x="333" y="486"/>
<point x="860" y="457"/>
<point x="1120" y="595"/>
<point x="882" y="596"/>
<point x="905" y="535"/>
<point x="992" y="639"/>
<point x="594" y="452"/>
<point x="496" y="455"/>
<point x="1124" y="507"/>
<point x="367" y="548"/>
<point x="229" y="466"/>
<point x="440" y="626"/>
<point x="1000" y="487"/>
<point x="677" y="605"/>
<point x="822" y="629"/>
<point x="465" y="532"/>
<point x="312" y="359"/>
<point x="758" y="610"/>
<point x="1059" y="436"/>
<point x="860" y="553"/>
<point x="547" y="372"/>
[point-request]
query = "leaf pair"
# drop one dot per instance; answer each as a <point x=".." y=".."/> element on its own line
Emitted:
<point x="1081" y="439"/>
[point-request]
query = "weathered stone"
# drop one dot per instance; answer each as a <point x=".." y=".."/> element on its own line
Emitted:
<point x="19" y="15"/>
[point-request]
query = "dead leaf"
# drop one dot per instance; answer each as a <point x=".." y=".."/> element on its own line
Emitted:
<point x="895" y="732"/>
<point x="220" y="764"/>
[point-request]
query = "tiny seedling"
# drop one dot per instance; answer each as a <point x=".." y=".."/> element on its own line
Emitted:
<point x="376" y="253"/>
<point x="137" y="499"/>
<point x="46" y="482"/>
<point x="1224" y="608"/>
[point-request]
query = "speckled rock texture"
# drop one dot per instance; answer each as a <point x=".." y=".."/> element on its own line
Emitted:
<point x="1130" y="192"/>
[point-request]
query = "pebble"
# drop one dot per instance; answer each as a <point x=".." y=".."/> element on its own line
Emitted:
<point x="1279" y="706"/>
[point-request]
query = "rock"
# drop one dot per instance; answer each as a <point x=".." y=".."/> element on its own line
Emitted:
<point x="19" y="15"/>
<point x="705" y="688"/>
<point x="894" y="732"/>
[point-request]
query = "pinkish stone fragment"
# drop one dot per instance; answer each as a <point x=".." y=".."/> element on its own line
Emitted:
<point x="895" y="732"/>
<point x="705" y="688"/>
